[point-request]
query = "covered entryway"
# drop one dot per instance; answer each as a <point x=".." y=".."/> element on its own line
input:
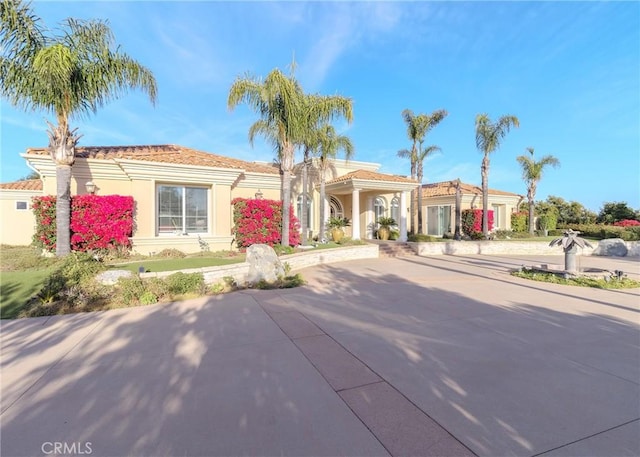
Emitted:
<point x="369" y="196"/>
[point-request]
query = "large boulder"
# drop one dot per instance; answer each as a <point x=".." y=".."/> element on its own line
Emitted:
<point x="615" y="247"/>
<point x="110" y="277"/>
<point x="264" y="264"/>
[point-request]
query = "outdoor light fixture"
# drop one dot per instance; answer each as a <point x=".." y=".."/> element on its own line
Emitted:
<point x="91" y="187"/>
<point x="259" y="194"/>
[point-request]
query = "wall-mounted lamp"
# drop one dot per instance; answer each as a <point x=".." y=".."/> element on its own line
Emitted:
<point x="259" y="194"/>
<point x="91" y="187"/>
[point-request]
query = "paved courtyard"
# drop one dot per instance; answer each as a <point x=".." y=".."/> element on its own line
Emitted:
<point x="409" y="356"/>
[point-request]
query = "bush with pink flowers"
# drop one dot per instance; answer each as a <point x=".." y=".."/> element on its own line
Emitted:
<point x="259" y="221"/>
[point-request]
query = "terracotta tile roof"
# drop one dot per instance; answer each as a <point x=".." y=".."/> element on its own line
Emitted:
<point x="371" y="176"/>
<point x="28" y="184"/>
<point x="166" y="153"/>
<point x="440" y="189"/>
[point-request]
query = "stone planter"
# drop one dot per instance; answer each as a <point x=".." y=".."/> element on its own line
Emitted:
<point x="383" y="233"/>
<point x="337" y="234"/>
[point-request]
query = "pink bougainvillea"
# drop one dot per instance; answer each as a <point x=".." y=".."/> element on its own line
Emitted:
<point x="627" y="223"/>
<point x="97" y="222"/>
<point x="258" y="221"/>
<point x="472" y="222"/>
<point x="44" y="209"/>
<point x="101" y="222"/>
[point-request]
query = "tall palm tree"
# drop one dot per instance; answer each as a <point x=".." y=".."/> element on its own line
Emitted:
<point x="488" y="137"/>
<point x="329" y="143"/>
<point x="69" y="74"/>
<point x="284" y="111"/>
<point x="309" y="142"/>
<point x="417" y="129"/>
<point x="532" y="174"/>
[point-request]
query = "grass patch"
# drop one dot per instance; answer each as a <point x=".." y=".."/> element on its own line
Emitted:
<point x="599" y="283"/>
<point x="16" y="289"/>
<point x="157" y="265"/>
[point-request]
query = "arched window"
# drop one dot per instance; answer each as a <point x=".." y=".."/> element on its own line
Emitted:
<point x="395" y="209"/>
<point x="336" y="207"/>
<point x="379" y="208"/>
<point x="299" y="210"/>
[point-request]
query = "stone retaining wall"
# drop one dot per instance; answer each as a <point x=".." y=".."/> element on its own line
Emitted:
<point x="504" y="248"/>
<point x="239" y="271"/>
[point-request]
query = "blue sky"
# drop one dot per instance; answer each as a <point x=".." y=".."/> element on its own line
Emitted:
<point x="570" y="71"/>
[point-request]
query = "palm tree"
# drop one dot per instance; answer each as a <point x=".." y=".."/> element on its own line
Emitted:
<point x="488" y="138"/>
<point x="310" y="143"/>
<point x="417" y="129"/>
<point x="69" y="74"/>
<point x="532" y="174"/>
<point x="329" y="145"/>
<point x="285" y="111"/>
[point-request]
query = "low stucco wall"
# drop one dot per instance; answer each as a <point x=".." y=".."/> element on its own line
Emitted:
<point x="239" y="271"/>
<point x="505" y="248"/>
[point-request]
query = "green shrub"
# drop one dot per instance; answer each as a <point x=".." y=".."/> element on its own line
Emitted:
<point x="131" y="289"/>
<point x="547" y="221"/>
<point x="148" y="298"/>
<point x="421" y="238"/>
<point x="217" y="288"/>
<point x="602" y="231"/>
<point x="171" y="253"/>
<point x="184" y="283"/>
<point x="76" y="269"/>
<point x="520" y="221"/>
<point x="157" y="287"/>
<point x="283" y="250"/>
<point x="503" y="234"/>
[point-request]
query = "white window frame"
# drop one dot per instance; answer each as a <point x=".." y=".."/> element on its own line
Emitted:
<point x="26" y="208"/>
<point x="376" y="214"/>
<point x="182" y="230"/>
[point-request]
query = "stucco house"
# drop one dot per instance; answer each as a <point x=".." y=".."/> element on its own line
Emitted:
<point x="182" y="194"/>
<point x="439" y="201"/>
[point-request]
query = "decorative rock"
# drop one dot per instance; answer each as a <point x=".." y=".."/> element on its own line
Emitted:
<point x="264" y="264"/>
<point x="611" y="247"/>
<point x="110" y="277"/>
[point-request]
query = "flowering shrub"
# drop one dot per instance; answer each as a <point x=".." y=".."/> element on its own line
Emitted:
<point x="44" y="209"/>
<point x="97" y="222"/>
<point x="472" y="222"/>
<point x="101" y="222"/>
<point x="258" y="221"/>
<point x="627" y="223"/>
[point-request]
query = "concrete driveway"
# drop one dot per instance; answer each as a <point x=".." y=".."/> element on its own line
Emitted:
<point x="408" y="356"/>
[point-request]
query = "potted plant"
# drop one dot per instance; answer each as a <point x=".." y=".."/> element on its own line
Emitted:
<point x="336" y="227"/>
<point x="385" y="224"/>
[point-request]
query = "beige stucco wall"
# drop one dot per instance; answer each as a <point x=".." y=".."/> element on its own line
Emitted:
<point x="18" y="226"/>
<point x="506" y="204"/>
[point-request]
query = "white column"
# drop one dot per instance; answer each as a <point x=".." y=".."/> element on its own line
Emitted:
<point x="355" y="214"/>
<point x="403" y="217"/>
<point x="369" y="218"/>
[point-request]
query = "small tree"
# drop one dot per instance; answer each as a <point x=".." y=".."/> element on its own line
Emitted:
<point x="616" y="211"/>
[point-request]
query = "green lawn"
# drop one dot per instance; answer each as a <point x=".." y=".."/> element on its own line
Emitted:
<point x="177" y="264"/>
<point x="16" y="287"/>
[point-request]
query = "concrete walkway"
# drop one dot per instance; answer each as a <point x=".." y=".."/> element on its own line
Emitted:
<point x="408" y="356"/>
